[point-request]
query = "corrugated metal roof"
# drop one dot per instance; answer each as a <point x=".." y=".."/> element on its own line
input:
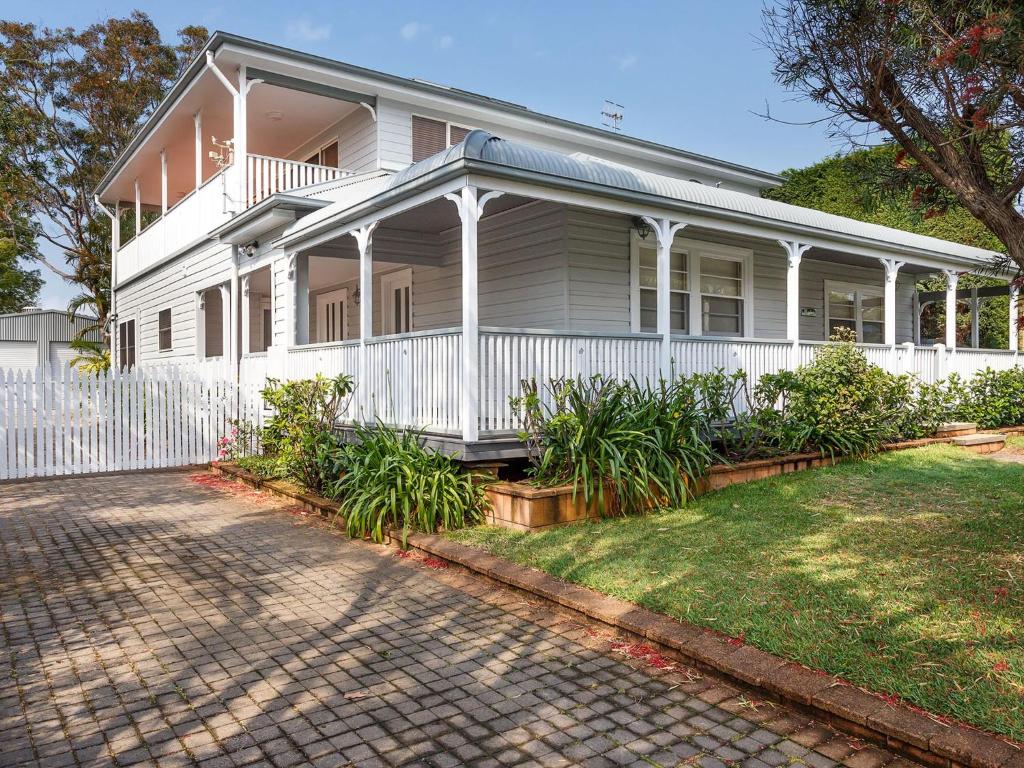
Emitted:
<point x="48" y="324"/>
<point x="482" y="146"/>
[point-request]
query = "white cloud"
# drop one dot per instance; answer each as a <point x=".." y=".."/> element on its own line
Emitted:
<point x="445" y="41"/>
<point x="303" y="29"/>
<point x="411" y="30"/>
<point x="626" y="61"/>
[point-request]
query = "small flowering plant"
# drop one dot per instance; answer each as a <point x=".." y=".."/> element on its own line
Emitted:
<point x="238" y="442"/>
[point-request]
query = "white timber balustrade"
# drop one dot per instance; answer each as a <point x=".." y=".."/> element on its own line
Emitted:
<point x="510" y="358"/>
<point x="269" y="175"/>
<point x="665" y="231"/>
<point x="470" y="209"/>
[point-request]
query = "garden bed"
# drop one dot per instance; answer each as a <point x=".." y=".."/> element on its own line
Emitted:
<point x="901" y="573"/>
<point x="526" y="507"/>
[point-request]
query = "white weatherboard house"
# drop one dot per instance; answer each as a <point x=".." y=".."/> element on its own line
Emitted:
<point x="442" y="246"/>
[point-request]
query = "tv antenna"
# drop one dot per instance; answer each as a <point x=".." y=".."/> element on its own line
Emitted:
<point x="613" y="115"/>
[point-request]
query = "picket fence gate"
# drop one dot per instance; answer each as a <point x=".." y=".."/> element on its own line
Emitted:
<point x="58" y="421"/>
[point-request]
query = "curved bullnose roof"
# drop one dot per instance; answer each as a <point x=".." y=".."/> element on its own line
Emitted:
<point x="484" y="147"/>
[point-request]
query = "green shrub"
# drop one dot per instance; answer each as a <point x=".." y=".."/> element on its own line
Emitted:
<point x="992" y="398"/>
<point x="838" y="404"/>
<point x="621" y="445"/>
<point x="385" y="479"/>
<point x="302" y="427"/>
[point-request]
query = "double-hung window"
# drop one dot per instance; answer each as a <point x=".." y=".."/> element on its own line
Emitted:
<point x="164" y="330"/>
<point x="722" y="296"/>
<point x="861" y="308"/>
<point x="716" y="277"/>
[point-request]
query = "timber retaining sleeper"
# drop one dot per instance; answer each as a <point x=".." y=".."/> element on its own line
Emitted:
<point x="905" y="730"/>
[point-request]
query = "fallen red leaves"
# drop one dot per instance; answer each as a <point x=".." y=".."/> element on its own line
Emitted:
<point x="430" y="562"/>
<point x="642" y="652"/>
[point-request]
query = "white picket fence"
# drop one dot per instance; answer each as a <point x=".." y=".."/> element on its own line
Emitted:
<point x="57" y="421"/>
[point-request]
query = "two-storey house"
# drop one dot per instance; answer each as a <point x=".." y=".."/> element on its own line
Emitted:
<point x="292" y="214"/>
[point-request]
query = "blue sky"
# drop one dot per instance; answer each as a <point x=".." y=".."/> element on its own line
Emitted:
<point x="689" y="74"/>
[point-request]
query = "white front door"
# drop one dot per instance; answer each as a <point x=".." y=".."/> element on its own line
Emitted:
<point x="396" y="292"/>
<point x="332" y="316"/>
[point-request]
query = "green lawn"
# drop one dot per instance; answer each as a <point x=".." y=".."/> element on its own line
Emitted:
<point x="903" y="573"/>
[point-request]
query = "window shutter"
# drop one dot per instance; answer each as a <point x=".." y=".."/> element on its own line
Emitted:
<point x="428" y="138"/>
<point x="458" y="134"/>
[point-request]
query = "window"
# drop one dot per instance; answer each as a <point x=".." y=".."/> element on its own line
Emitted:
<point x="396" y="292"/>
<point x="679" y="297"/>
<point x="716" y="276"/>
<point x="721" y="296"/>
<point x="126" y="344"/>
<point x="432" y="136"/>
<point x="164" y="329"/>
<point x="860" y="308"/>
<point x="326" y="155"/>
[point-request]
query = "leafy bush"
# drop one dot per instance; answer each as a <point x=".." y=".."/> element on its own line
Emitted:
<point x="302" y="427"/>
<point x="991" y="398"/>
<point x="625" y="446"/>
<point x="387" y="479"/>
<point x="839" y="404"/>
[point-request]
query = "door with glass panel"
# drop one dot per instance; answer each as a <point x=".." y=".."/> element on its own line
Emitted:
<point x="332" y="316"/>
<point x="396" y="292"/>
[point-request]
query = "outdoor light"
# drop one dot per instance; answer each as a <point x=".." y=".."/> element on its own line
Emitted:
<point x="642" y="227"/>
<point x="356" y="295"/>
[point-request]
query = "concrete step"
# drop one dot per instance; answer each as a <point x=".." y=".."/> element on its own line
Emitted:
<point x="979" y="443"/>
<point x="956" y="429"/>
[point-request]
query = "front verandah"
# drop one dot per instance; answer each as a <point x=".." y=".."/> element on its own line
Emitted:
<point x="450" y="372"/>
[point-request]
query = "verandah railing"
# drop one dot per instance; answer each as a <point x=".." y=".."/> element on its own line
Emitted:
<point x="414" y="380"/>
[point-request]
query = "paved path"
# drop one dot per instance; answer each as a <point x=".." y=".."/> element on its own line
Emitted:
<point x="152" y="620"/>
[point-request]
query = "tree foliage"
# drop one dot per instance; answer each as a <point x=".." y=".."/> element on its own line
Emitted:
<point x="19" y="287"/>
<point x="70" y="101"/>
<point x="944" y="79"/>
<point x="859" y="185"/>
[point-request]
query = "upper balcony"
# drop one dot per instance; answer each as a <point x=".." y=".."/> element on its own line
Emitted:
<point x="184" y="179"/>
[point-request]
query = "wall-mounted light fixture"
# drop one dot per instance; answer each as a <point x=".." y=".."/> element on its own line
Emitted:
<point x="357" y="295"/>
<point x="642" y="227"/>
<point x="249" y="249"/>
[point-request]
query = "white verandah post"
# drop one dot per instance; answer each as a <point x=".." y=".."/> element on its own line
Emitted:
<point x="364" y="242"/>
<point x="665" y="231"/>
<point x="794" y="255"/>
<point x="892" y="268"/>
<point x="1014" y="311"/>
<point x="246" y="314"/>
<point x="952" y="278"/>
<point x="470" y="209"/>
<point x="197" y="118"/>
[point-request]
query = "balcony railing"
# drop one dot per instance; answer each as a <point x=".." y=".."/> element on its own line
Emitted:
<point x="193" y="216"/>
<point x="269" y="175"/>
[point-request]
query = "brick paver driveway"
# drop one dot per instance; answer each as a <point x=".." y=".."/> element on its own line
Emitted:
<point x="148" y="619"/>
